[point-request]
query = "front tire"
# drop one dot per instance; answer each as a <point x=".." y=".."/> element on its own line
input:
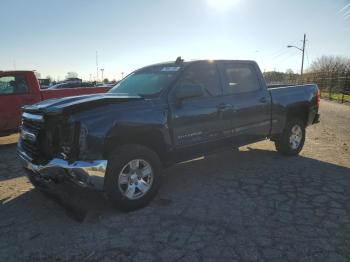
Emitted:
<point x="133" y="177"/>
<point x="291" y="141"/>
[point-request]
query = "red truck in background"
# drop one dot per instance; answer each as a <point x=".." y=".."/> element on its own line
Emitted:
<point x="19" y="88"/>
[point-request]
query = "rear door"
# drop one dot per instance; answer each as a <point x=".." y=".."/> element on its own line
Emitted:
<point x="196" y="121"/>
<point x="251" y="117"/>
<point x="14" y="93"/>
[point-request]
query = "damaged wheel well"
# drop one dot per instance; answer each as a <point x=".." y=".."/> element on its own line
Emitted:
<point x="153" y="140"/>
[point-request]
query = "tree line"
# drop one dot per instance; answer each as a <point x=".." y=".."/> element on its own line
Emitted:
<point x="330" y="73"/>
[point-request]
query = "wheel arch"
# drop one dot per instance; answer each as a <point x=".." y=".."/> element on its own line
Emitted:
<point x="153" y="139"/>
<point x="300" y="111"/>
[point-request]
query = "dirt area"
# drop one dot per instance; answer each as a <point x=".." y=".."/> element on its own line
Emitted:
<point x="252" y="205"/>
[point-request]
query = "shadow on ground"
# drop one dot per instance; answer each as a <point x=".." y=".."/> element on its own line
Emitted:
<point x="252" y="172"/>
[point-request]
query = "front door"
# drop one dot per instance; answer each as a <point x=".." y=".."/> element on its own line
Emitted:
<point x="197" y="121"/>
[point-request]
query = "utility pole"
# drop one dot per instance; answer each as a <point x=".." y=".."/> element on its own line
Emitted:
<point x="303" y="53"/>
<point x="96" y="66"/>
<point x="102" y="73"/>
<point x="302" y="60"/>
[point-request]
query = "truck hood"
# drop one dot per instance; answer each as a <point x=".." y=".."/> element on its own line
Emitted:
<point x="77" y="103"/>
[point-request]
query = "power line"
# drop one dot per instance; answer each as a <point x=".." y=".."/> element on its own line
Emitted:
<point x="280" y="53"/>
<point x="288" y="57"/>
<point x="284" y="56"/>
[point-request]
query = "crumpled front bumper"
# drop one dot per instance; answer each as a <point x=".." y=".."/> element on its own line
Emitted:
<point x="83" y="173"/>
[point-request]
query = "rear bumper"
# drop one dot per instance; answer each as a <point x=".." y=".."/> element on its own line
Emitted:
<point x="82" y="173"/>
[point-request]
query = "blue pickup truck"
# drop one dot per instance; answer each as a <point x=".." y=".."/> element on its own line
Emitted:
<point x="159" y="115"/>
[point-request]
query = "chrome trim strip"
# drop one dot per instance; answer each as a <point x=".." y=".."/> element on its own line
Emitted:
<point x="33" y="117"/>
<point x="23" y="155"/>
<point x="28" y="136"/>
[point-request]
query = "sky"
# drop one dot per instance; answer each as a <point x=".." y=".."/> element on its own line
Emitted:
<point x="55" y="37"/>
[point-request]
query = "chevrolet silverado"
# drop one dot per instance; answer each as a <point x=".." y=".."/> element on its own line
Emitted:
<point x="159" y="115"/>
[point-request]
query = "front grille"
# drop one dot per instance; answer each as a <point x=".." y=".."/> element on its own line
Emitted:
<point x="30" y="149"/>
<point x="31" y="125"/>
<point x="42" y="139"/>
<point x="34" y="126"/>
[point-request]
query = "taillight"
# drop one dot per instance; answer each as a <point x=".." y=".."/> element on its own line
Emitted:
<point x="318" y="97"/>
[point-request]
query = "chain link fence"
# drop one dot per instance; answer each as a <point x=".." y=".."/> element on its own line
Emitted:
<point x="333" y="86"/>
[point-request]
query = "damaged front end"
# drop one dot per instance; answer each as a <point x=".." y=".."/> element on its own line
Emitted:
<point x="53" y="148"/>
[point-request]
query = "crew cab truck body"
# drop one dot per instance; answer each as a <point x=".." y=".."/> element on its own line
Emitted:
<point x="157" y="116"/>
<point x="19" y="88"/>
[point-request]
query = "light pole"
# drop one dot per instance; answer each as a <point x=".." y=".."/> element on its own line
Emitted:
<point x="102" y="74"/>
<point x="96" y="66"/>
<point x="303" y="52"/>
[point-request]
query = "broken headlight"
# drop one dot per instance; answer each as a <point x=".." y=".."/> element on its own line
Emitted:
<point x="74" y="141"/>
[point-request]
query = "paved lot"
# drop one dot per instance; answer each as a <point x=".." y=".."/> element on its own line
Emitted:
<point x="252" y="205"/>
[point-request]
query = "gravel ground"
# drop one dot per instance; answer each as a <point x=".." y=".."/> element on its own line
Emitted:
<point x="252" y="205"/>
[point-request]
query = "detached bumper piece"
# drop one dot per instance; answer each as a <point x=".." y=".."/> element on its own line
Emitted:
<point x="84" y="174"/>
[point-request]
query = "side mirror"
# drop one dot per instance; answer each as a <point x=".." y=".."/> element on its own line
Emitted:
<point x="189" y="91"/>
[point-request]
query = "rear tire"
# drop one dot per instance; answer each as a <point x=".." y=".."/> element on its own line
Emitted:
<point x="133" y="177"/>
<point x="291" y="141"/>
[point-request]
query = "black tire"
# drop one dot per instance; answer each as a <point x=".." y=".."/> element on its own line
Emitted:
<point x="116" y="162"/>
<point x="282" y="142"/>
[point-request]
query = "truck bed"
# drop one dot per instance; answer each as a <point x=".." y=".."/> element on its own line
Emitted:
<point x="284" y="97"/>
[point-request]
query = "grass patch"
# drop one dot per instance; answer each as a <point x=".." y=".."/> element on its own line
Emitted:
<point x="335" y="96"/>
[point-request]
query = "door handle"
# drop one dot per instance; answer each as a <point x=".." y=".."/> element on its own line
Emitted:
<point x="263" y="100"/>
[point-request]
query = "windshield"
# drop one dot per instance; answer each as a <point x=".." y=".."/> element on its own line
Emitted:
<point x="147" y="82"/>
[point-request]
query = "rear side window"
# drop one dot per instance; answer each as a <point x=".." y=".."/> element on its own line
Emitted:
<point x="240" y="78"/>
<point x="13" y="85"/>
<point x="205" y="75"/>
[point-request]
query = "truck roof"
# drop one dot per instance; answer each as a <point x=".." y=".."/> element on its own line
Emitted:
<point x="183" y="64"/>
<point x="201" y="60"/>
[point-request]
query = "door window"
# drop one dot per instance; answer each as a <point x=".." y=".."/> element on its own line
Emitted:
<point x="241" y="78"/>
<point x="13" y="85"/>
<point x="205" y="75"/>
